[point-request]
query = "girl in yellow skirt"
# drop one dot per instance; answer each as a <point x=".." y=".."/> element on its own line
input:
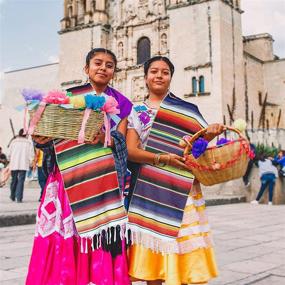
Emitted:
<point x="170" y="234"/>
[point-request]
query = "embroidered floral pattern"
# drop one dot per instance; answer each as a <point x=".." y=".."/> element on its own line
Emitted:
<point x="50" y="216"/>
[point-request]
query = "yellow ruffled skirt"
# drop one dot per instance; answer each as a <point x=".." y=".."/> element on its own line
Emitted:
<point x="197" y="266"/>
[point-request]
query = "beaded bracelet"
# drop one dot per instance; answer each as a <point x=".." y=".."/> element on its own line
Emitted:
<point x="156" y="159"/>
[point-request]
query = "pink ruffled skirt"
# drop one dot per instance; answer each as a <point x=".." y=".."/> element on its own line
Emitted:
<point x="60" y="256"/>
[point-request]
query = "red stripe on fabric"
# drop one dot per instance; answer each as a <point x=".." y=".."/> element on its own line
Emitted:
<point x="84" y="170"/>
<point x="152" y="225"/>
<point x="185" y="123"/>
<point x="176" y="180"/>
<point x="92" y="207"/>
<point x="92" y="187"/>
<point x="64" y="146"/>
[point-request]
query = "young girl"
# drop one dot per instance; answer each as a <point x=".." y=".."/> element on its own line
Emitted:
<point x="170" y="232"/>
<point x="81" y="219"/>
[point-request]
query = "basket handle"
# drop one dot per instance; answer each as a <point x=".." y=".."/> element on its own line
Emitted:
<point x="190" y="142"/>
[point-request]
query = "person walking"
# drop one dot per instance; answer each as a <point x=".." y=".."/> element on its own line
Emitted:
<point x="4" y="170"/>
<point x="3" y="159"/>
<point x="21" y="155"/>
<point x="38" y="165"/>
<point x="268" y="174"/>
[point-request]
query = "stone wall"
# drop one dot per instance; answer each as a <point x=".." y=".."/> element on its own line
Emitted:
<point x="271" y="137"/>
<point x="260" y="46"/>
<point x="43" y="78"/>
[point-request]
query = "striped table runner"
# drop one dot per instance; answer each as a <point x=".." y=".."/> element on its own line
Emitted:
<point x="160" y="195"/>
<point x="90" y="181"/>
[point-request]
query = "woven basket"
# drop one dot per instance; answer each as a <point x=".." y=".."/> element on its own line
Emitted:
<point x="219" y="164"/>
<point x="57" y="122"/>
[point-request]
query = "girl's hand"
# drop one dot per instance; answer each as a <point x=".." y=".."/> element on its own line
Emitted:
<point x="100" y="137"/>
<point x="214" y="130"/>
<point x="173" y="160"/>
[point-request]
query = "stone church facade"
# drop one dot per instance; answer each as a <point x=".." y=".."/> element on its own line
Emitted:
<point x="227" y="75"/>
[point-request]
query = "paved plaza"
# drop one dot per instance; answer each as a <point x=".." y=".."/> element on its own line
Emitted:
<point x="250" y="243"/>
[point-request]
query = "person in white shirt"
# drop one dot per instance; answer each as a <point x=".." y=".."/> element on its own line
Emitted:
<point x="21" y="155"/>
<point x="268" y="174"/>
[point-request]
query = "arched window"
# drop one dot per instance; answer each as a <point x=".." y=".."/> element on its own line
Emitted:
<point x="70" y="12"/>
<point x="201" y="84"/>
<point x="194" y="85"/>
<point x="143" y="50"/>
<point x="93" y="5"/>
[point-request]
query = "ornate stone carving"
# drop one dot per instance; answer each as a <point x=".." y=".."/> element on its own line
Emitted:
<point x="129" y="11"/>
<point x="138" y="89"/>
<point x="163" y="43"/>
<point x="142" y="10"/>
<point x="120" y="50"/>
<point x="158" y="7"/>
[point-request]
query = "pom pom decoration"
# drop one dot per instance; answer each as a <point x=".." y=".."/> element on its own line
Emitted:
<point x="182" y="143"/>
<point x="199" y="147"/>
<point x="56" y="97"/>
<point x="78" y="101"/>
<point x="222" y="141"/>
<point x="110" y="108"/>
<point x="240" y="124"/>
<point x="94" y="102"/>
<point x="184" y="140"/>
<point x="31" y="95"/>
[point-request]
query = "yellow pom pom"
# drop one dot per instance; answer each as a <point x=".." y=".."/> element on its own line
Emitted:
<point x="182" y="143"/>
<point x="240" y="124"/>
<point x="78" y="101"/>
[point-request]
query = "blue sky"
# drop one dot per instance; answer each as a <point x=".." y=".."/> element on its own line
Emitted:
<point x="28" y="29"/>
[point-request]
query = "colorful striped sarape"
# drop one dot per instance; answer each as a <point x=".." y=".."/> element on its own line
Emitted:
<point x="91" y="181"/>
<point x="161" y="192"/>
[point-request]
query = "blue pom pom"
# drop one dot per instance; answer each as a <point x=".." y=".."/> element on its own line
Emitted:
<point x="199" y="147"/>
<point x="94" y="102"/>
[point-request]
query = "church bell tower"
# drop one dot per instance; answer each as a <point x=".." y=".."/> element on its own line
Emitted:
<point x="84" y="26"/>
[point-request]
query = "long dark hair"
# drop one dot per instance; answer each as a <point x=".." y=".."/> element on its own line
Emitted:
<point x="94" y="51"/>
<point x="148" y="63"/>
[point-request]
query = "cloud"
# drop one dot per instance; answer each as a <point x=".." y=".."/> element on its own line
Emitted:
<point x="265" y="16"/>
<point x="53" y="59"/>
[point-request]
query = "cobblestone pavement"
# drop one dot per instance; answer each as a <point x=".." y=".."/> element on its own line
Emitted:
<point x="250" y="246"/>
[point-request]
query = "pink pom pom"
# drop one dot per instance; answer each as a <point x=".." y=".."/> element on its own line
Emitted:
<point x="56" y="97"/>
<point x="110" y="106"/>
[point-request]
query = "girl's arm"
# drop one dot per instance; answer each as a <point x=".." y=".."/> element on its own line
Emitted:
<point x="139" y="155"/>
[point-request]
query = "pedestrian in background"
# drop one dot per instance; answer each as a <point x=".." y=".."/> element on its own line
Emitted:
<point x="279" y="161"/>
<point x="21" y="155"/>
<point x="268" y="174"/>
<point x="3" y="158"/>
<point x="4" y="170"/>
<point x="251" y="162"/>
<point x="38" y="165"/>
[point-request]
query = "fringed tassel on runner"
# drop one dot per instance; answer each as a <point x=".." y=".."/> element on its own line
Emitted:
<point x="109" y="239"/>
<point x="159" y="245"/>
